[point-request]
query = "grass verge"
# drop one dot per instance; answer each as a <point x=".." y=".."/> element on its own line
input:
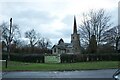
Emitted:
<point x="21" y="66"/>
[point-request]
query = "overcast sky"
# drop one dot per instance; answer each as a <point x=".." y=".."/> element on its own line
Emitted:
<point x="52" y="18"/>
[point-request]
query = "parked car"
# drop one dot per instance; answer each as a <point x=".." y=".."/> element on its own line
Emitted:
<point x="116" y="75"/>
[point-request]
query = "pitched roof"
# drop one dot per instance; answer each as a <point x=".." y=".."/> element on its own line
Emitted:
<point x="63" y="46"/>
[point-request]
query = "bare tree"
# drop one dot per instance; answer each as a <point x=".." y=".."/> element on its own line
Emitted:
<point x="94" y="23"/>
<point x="33" y="37"/>
<point x="112" y="36"/>
<point x="20" y="43"/>
<point x="9" y="33"/>
<point x="44" y="43"/>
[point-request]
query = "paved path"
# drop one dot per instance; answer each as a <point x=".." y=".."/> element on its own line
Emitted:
<point x="57" y="74"/>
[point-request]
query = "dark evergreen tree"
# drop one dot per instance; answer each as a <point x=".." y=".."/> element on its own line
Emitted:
<point x="92" y="48"/>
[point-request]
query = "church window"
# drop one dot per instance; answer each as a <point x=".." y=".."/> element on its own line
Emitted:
<point x="75" y="48"/>
<point x="73" y="37"/>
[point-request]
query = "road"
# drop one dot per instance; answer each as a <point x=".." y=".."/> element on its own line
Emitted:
<point x="55" y="75"/>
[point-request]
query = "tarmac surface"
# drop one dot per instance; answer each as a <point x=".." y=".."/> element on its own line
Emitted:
<point x="105" y="74"/>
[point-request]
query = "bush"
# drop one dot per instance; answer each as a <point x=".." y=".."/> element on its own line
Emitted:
<point x="65" y="58"/>
<point x="36" y="58"/>
<point x="68" y="58"/>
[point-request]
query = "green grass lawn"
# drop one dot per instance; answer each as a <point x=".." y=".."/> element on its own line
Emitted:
<point x="18" y="66"/>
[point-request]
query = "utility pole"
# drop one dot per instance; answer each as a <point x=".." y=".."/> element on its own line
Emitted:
<point x="9" y="38"/>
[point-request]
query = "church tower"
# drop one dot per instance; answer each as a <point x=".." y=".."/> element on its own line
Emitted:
<point x="75" y="39"/>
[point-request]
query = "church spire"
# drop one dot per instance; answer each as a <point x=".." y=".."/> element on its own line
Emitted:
<point x="75" y="26"/>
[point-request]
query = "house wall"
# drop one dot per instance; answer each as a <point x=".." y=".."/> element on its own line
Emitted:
<point x="69" y="50"/>
<point x="56" y="50"/>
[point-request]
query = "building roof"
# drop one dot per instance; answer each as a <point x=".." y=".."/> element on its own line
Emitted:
<point x="63" y="46"/>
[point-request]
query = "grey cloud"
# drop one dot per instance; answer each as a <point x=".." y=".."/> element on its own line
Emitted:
<point x="26" y="15"/>
<point x="42" y="17"/>
<point x="65" y="32"/>
<point x="68" y="20"/>
<point x="22" y="11"/>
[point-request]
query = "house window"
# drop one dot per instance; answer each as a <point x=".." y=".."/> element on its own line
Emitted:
<point x="55" y="50"/>
<point x="68" y="51"/>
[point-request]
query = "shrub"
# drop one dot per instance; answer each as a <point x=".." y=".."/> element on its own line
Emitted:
<point x="25" y="57"/>
<point x="68" y="58"/>
<point x="65" y="58"/>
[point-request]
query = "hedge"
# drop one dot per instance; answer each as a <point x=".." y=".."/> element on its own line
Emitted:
<point x="89" y="57"/>
<point x="36" y="58"/>
<point x="65" y="58"/>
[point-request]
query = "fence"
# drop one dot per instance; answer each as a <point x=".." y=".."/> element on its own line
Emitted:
<point x="4" y="63"/>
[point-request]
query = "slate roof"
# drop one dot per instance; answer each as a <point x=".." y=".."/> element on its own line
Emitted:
<point x="63" y="46"/>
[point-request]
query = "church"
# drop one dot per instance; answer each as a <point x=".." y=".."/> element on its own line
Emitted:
<point x="68" y="48"/>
